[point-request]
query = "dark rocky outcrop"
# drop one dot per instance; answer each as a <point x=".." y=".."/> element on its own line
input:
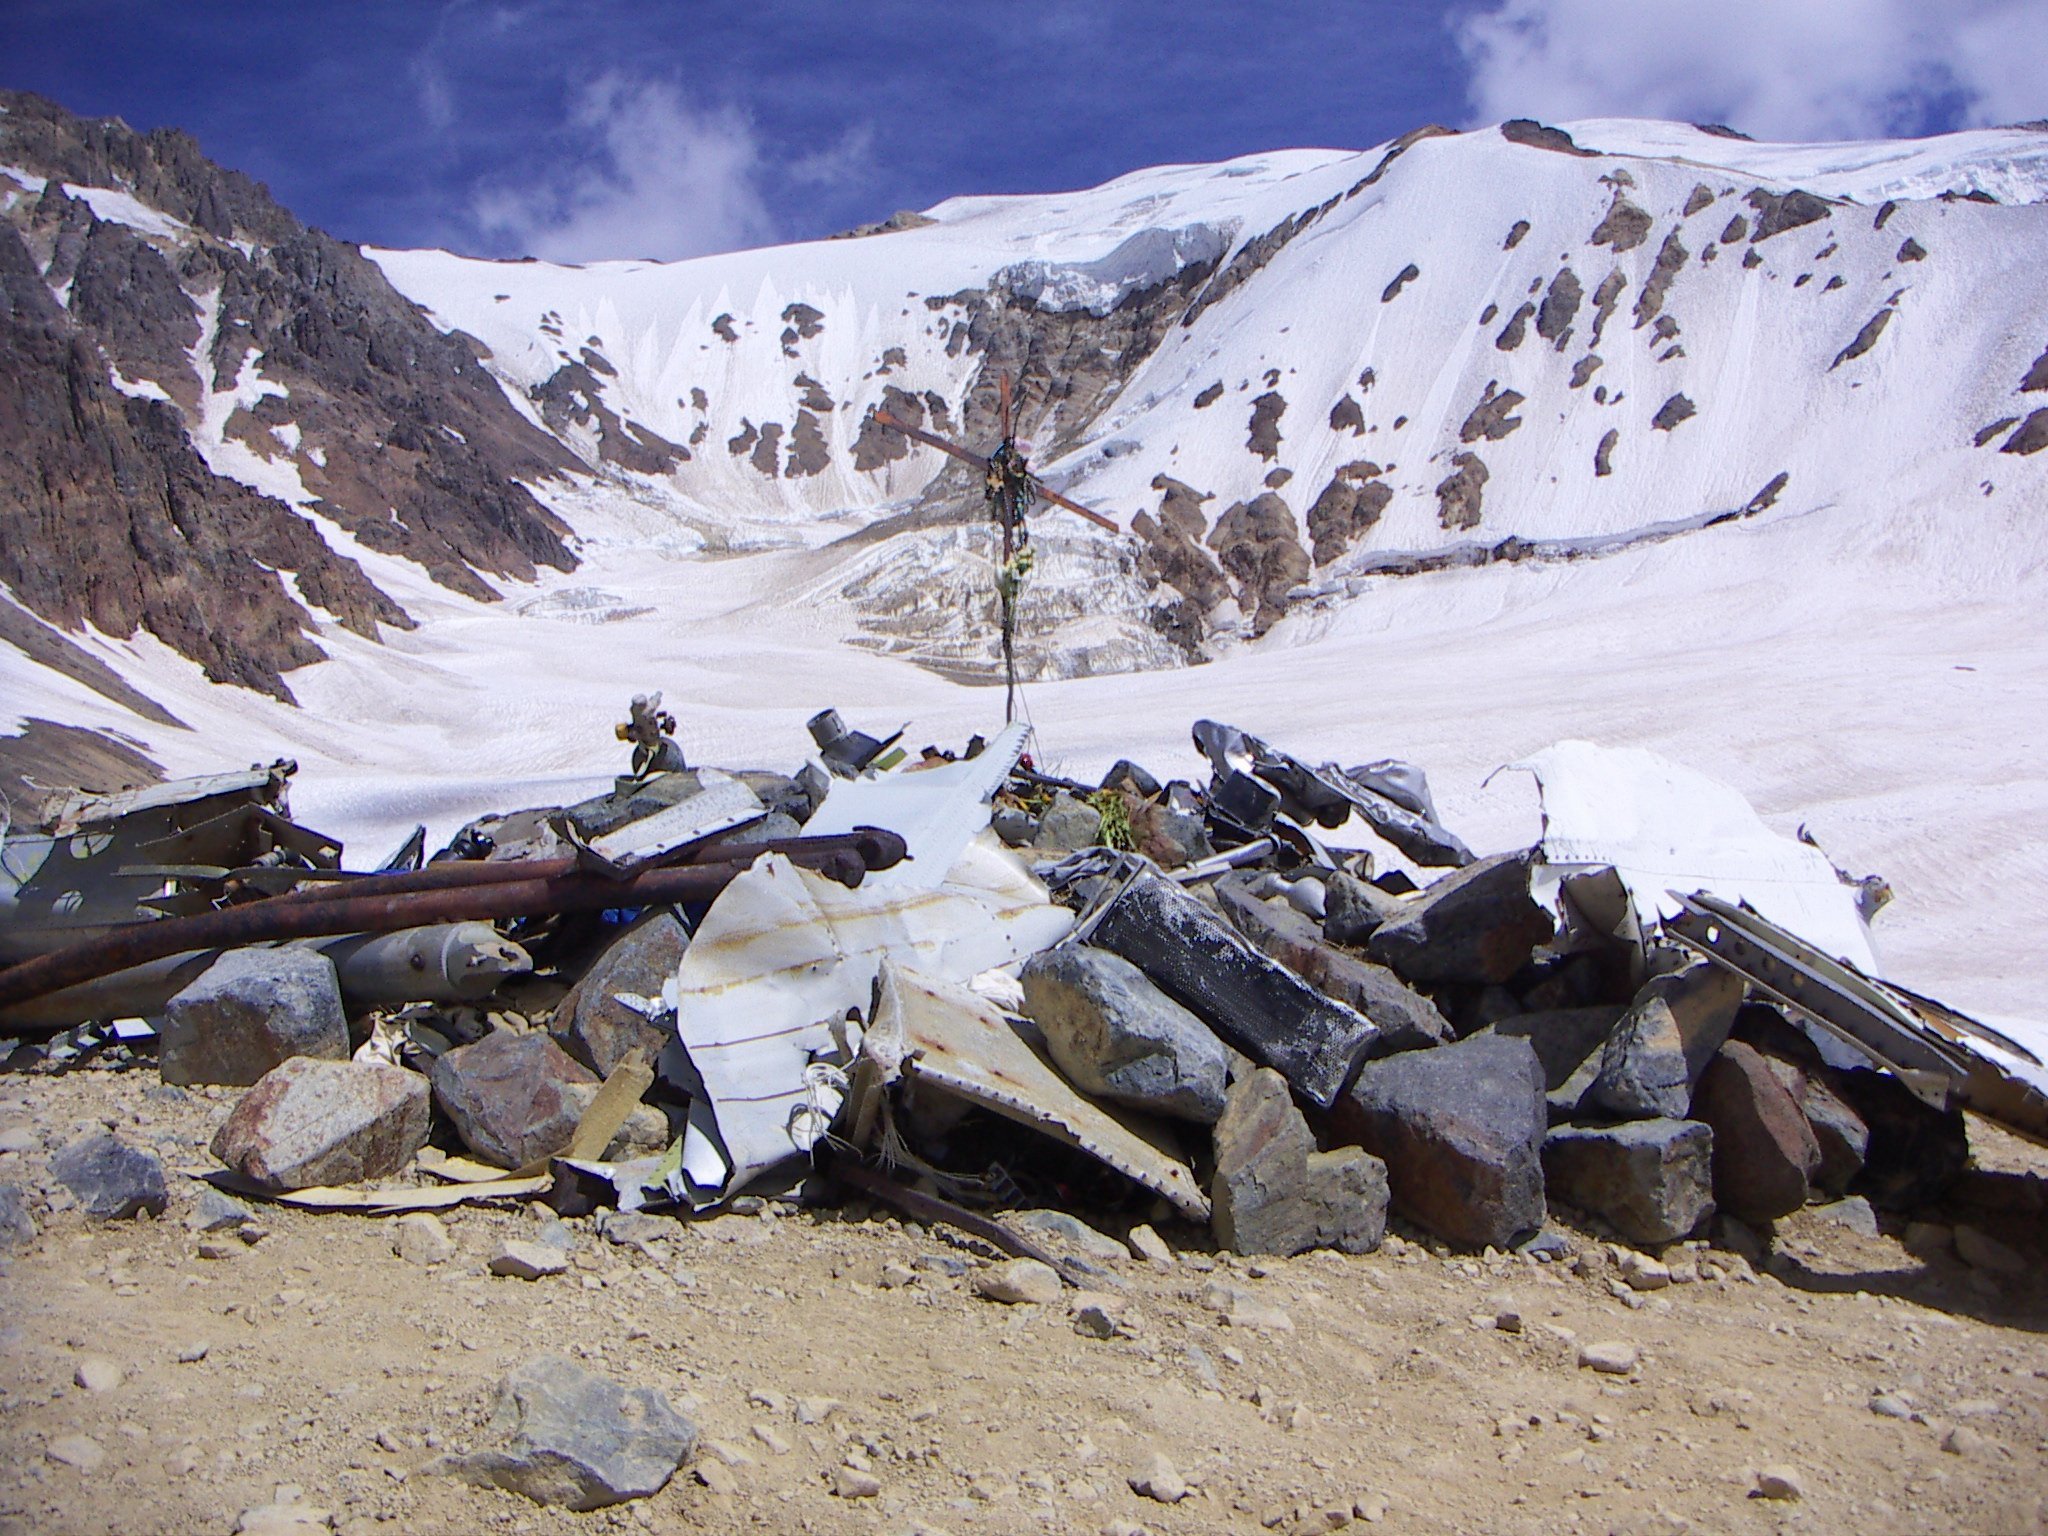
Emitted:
<point x="1673" y="411"/>
<point x="1560" y="304"/>
<point x="1671" y="255"/>
<point x="1513" y="333"/>
<point x="1402" y="279"/>
<point x="1605" y="298"/>
<point x="1524" y="130"/>
<point x="1624" y="226"/>
<point x="2032" y="436"/>
<point x="1348" y="508"/>
<point x="1516" y="232"/>
<point x="1256" y="542"/>
<point x="1864" y="339"/>
<point x="1263" y="432"/>
<point x="1792" y="210"/>
<point x="1461" y="493"/>
<point x="1173" y="544"/>
<point x="1489" y="418"/>
<point x="1347" y="416"/>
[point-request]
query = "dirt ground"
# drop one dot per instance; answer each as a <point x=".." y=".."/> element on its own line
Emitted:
<point x="318" y="1359"/>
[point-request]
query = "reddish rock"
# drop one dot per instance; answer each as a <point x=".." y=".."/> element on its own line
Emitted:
<point x="1765" y="1154"/>
<point x="314" y="1122"/>
<point x="507" y="1096"/>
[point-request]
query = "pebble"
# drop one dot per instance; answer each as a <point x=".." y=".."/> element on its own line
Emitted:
<point x="192" y="1353"/>
<point x="216" y="1212"/>
<point x="718" y="1478"/>
<point x="816" y="1410"/>
<point x="768" y="1437"/>
<point x="1097" y="1318"/>
<point x="19" y="1138"/>
<point x="1966" y="1442"/>
<point x="1261" y="1316"/>
<point x="1147" y="1244"/>
<point x="528" y="1261"/>
<point x="1372" y="1509"/>
<point x="95" y="1373"/>
<point x="853" y="1483"/>
<point x="80" y="1451"/>
<point x="219" y="1248"/>
<point x="1019" y="1280"/>
<point x="283" y="1519"/>
<point x="1611" y="1357"/>
<point x="1156" y="1478"/>
<point x="1074" y="1232"/>
<point x="1889" y="1406"/>
<point x="894" y="1275"/>
<point x="1779" y="1482"/>
<point x="420" y="1238"/>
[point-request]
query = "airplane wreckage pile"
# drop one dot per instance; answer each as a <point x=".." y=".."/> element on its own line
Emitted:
<point x="957" y="986"/>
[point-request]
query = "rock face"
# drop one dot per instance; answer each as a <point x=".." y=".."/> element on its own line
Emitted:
<point x="1478" y="925"/>
<point x="312" y="1122"/>
<point x="596" y="1028"/>
<point x="1461" y="1130"/>
<point x="111" y="1180"/>
<point x="361" y="373"/>
<point x="1654" y="1058"/>
<point x="250" y="1010"/>
<point x="1651" y="1180"/>
<point x="1275" y="1193"/>
<point x="1116" y="1034"/>
<point x="566" y="1437"/>
<point x="1764" y="1152"/>
<point x="507" y="1096"/>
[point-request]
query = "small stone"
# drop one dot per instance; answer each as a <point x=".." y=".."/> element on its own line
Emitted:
<point x="1155" y="1478"/>
<point x="283" y="1519"/>
<point x="768" y="1436"/>
<point x="1372" y="1509"/>
<point x="1888" y="1405"/>
<point x="80" y="1451"/>
<point x="1148" y="1245"/>
<point x="216" y="1212"/>
<point x="420" y="1238"/>
<point x="1099" y="1318"/>
<point x="19" y="1138"/>
<point x="95" y="1373"/>
<point x="1260" y="1316"/>
<point x="1644" y="1273"/>
<point x="110" y="1180"/>
<point x="718" y="1478"/>
<point x="1073" y="1232"/>
<point x="1980" y="1250"/>
<point x="816" y="1410"/>
<point x="1019" y="1280"/>
<point x="523" y="1260"/>
<point x="1966" y="1442"/>
<point x="1854" y="1213"/>
<point x="221" y="1248"/>
<point x="1610" y="1357"/>
<point x="192" y="1354"/>
<point x="17" y="1221"/>
<point x="1069" y="823"/>
<point x="853" y="1483"/>
<point x="895" y="1275"/>
<point x="1779" y="1482"/>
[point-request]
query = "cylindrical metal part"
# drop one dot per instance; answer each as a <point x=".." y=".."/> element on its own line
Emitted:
<point x="447" y="963"/>
<point x="289" y="918"/>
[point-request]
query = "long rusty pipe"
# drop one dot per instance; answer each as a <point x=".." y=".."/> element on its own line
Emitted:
<point x="280" y="917"/>
<point x="875" y="848"/>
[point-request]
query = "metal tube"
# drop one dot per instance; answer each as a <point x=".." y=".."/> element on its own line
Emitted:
<point x="289" y="918"/>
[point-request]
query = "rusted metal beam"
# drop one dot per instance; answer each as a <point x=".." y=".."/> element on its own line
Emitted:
<point x="286" y="917"/>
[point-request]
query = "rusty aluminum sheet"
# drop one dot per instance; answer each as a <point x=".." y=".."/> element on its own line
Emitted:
<point x="941" y="1034"/>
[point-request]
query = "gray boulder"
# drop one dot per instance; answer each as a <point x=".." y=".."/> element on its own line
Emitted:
<point x="111" y="1180"/>
<point x="17" y="1221"/>
<point x="1843" y="1138"/>
<point x="314" y="1122"/>
<point x="1353" y="908"/>
<point x="250" y="1010"/>
<point x="1068" y="823"/>
<point x="1275" y="1193"/>
<point x="593" y="1025"/>
<point x="1461" y="1131"/>
<point x="1651" y="1180"/>
<point x="507" y="1096"/>
<point x="565" y="1437"/>
<point x="1654" y="1058"/>
<point x="1479" y="925"/>
<point x="1765" y="1154"/>
<point x="1406" y="1019"/>
<point x="1568" y="1043"/>
<point x="1117" y="1035"/>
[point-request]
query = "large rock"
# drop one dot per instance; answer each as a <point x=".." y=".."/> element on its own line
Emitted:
<point x="111" y="1180"/>
<point x="1764" y="1152"/>
<point x="1353" y="909"/>
<point x="1275" y="1193"/>
<point x="1479" y="925"/>
<point x="593" y="1025"/>
<point x="1117" y="1035"/>
<point x="1842" y="1136"/>
<point x="1405" y="1018"/>
<point x="563" y="1436"/>
<point x="1069" y="823"/>
<point x="1567" y="1042"/>
<point x="314" y="1122"/>
<point x="1461" y="1131"/>
<point x="1655" y="1056"/>
<point x="1651" y="1180"/>
<point x="1257" y="1006"/>
<point x="507" y="1096"/>
<point x="250" y="1010"/>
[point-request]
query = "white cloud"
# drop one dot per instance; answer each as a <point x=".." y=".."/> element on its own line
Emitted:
<point x="662" y="177"/>
<point x="1776" y="69"/>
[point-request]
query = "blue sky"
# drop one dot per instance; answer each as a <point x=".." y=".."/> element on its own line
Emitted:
<point x="576" y="129"/>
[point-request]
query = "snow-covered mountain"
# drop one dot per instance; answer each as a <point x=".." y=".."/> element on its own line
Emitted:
<point x="1447" y="448"/>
